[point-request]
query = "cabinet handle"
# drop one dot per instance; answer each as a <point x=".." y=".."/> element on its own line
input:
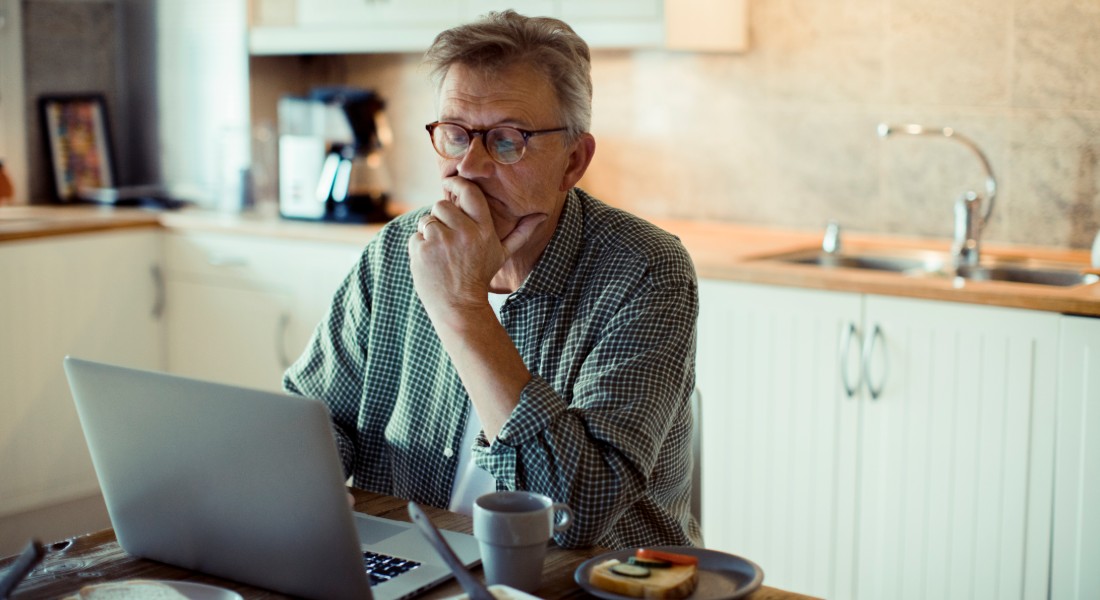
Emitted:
<point x="868" y="350"/>
<point x="280" y="340"/>
<point x="158" y="286"/>
<point x="219" y="260"/>
<point x="845" y="352"/>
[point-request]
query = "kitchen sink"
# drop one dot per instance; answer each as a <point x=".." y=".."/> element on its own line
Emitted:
<point x="911" y="263"/>
<point x="1041" y="275"/>
<point x="929" y="263"/>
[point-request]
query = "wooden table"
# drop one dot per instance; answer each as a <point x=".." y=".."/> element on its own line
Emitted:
<point x="97" y="557"/>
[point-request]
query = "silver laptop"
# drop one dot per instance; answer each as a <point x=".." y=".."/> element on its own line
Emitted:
<point x="241" y="484"/>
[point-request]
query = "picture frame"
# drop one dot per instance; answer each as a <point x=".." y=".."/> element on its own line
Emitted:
<point x="78" y="143"/>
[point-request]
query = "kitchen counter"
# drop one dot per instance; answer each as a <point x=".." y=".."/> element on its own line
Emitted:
<point x="720" y="250"/>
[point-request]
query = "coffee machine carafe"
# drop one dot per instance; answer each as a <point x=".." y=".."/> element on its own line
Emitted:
<point x="331" y="158"/>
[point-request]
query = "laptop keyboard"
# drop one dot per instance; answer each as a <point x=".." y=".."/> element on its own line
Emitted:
<point x="382" y="568"/>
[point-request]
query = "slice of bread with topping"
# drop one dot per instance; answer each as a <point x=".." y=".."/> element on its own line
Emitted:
<point x="669" y="583"/>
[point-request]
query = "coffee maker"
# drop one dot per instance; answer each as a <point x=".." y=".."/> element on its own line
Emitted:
<point x="331" y="156"/>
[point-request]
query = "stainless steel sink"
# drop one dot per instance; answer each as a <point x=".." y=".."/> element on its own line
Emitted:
<point x="911" y="263"/>
<point x="1039" y="275"/>
<point x="928" y="263"/>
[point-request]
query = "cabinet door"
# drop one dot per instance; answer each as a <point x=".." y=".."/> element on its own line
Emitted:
<point x="1076" y="546"/>
<point x="530" y="8"/>
<point x="776" y="426"/>
<point x="233" y="335"/>
<point x="620" y="10"/>
<point x="955" y="453"/>
<point x="240" y="309"/>
<point x="91" y="296"/>
<point x="377" y="13"/>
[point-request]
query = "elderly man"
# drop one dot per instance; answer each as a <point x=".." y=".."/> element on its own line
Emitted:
<point x="519" y="333"/>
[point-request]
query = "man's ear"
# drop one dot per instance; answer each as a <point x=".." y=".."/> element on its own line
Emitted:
<point x="579" y="159"/>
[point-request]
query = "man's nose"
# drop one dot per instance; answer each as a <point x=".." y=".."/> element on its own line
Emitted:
<point x="476" y="162"/>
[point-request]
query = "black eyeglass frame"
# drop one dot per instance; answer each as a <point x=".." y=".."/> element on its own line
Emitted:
<point x="472" y="133"/>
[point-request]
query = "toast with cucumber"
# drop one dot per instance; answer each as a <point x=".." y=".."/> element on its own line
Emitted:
<point x="650" y="574"/>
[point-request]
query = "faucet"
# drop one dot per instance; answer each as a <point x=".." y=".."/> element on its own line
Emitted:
<point x="969" y="218"/>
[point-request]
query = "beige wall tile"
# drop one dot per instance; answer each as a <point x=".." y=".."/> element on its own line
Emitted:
<point x="1057" y="54"/>
<point x="1055" y="177"/>
<point x="948" y="52"/>
<point x="826" y="52"/>
<point x="784" y="134"/>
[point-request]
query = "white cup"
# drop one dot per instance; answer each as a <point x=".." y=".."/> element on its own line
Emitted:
<point x="512" y="530"/>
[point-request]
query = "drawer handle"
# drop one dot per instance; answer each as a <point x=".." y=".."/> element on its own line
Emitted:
<point x="850" y="334"/>
<point x="218" y="260"/>
<point x="280" y="341"/>
<point x="868" y="351"/>
<point x="158" y="286"/>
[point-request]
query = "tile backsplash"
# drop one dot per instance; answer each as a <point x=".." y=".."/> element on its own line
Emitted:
<point x="785" y="134"/>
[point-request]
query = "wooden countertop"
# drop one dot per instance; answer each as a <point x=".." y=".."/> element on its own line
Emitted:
<point x="726" y="251"/>
<point x="97" y="557"/>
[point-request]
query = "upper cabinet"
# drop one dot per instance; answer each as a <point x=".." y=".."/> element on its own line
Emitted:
<point x="364" y="26"/>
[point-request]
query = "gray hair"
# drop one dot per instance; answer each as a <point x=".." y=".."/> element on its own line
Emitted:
<point x="503" y="39"/>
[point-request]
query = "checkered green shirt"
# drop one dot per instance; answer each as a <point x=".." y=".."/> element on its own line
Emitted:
<point x="606" y="325"/>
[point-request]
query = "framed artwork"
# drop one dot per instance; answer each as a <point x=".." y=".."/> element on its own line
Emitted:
<point x="78" y="142"/>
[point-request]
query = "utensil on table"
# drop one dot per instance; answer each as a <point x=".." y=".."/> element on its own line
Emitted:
<point x="22" y="566"/>
<point x="473" y="587"/>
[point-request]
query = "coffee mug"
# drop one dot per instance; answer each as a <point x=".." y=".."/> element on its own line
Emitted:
<point x="512" y="530"/>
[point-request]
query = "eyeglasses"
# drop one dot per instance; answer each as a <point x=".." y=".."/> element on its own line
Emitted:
<point x="506" y="145"/>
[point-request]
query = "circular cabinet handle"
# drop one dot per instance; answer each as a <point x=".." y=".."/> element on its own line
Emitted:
<point x="868" y="350"/>
<point x="845" y="351"/>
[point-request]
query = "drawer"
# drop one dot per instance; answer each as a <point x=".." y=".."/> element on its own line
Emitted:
<point x="268" y="263"/>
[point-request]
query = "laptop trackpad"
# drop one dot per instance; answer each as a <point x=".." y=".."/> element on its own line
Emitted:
<point x="372" y="530"/>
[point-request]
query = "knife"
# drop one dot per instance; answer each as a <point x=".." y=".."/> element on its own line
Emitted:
<point x="473" y="587"/>
<point x="22" y="567"/>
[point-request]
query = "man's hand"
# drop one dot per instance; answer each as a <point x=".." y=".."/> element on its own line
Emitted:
<point x="455" y="251"/>
<point x="454" y="256"/>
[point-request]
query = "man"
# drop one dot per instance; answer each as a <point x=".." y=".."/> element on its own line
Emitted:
<point x="517" y="334"/>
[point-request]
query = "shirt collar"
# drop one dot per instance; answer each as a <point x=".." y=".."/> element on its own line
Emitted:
<point x="556" y="263"/>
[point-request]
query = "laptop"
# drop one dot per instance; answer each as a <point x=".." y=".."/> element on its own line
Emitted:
<point x="241" y="484"/>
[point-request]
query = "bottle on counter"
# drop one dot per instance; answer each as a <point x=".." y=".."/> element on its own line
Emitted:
<point x="6" y="189"/>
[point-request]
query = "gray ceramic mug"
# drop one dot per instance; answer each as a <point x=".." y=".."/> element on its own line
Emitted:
<point x="512" y="530"/>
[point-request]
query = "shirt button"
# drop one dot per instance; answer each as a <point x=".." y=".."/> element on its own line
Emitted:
<point x="448" y="453"/>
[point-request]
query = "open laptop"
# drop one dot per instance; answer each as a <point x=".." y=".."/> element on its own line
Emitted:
<point x="241" y="484"/>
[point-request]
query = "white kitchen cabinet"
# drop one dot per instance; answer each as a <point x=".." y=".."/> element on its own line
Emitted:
<point x="94" y="296"/>
<point x="767" y="370"/>
<point x="1076" y="540"/>
<point x="955" y="456"/>
<point x="240" y="309"/>
<point x="377" y="13"/>
<point x="882" y="447"/>
<point x="354" y="26"/>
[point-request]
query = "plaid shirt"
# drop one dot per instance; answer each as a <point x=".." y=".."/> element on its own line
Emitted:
<point x="606" y="325"/>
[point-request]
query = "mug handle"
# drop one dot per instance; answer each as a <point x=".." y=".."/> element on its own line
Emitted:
<point x="565" y="523"/>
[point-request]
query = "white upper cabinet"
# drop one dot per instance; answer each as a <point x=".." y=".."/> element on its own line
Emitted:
<point x="374" y="13"/>
<point x="360" y="26"/>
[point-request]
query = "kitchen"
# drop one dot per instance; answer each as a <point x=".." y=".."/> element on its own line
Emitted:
<point x="801" y="99"/>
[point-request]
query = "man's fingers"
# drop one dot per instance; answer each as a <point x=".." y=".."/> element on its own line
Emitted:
<point x="468" y="197"/>
<point x="521" y="233"/>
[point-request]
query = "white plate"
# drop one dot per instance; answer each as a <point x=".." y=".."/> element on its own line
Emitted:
<point x="721" y="576"/>
<point x="193" y="591"/>
<point x="201" y="591"/>
<point x="501" y="591"/>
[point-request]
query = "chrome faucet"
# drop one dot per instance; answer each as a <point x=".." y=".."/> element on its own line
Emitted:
<point x="969" y="217"/>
